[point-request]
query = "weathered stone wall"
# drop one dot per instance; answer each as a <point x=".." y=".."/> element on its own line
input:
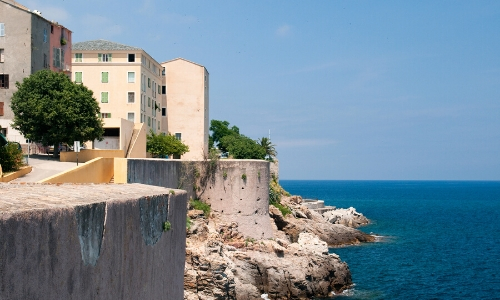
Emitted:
<point x="91" y="242"/>
<point x="236" y="189"/>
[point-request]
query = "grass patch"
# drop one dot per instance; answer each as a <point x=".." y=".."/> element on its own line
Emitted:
<point x="284" y="210"/>
<point x="198" y="204"/>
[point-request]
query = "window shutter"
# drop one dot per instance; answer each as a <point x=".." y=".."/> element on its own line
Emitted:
<point x="2" y="29"/>
<point x="78" y="77"/>
<point x="6" y="81"/>
<point x="109" y="57"/>
<point x="104" y="77"/>
<point x="1" y="108"/>
<point x="99" y="57"/>
<point x="2" y="57"/>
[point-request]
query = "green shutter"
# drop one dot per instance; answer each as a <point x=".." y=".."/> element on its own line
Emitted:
<point x="104" y="97"/>
<point x="78" y="77"/>
<point x="109" y="57"/>
<point x="104" y="77"/>
<point x="99" y="57"/>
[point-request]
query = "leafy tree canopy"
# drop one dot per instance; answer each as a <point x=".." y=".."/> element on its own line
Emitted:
<point x="269" y="148"/>
<point x="242" y="147"/>
<point x="49" y="108"/>
<point x="160" y="145"/>
<point x="219" y="130"/>
<point x="228" y="139"/>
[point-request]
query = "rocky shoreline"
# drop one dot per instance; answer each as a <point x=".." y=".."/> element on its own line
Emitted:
<point x="295" y="264"/>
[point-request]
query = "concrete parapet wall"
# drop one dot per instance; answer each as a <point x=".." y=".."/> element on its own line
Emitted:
<point x="89" y="154"/>
<point x="98" y="170"/>
<point x="91" y="242"/>
<point x="237" y="189"/>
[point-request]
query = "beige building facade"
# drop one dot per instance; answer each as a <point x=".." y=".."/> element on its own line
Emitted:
<point x="187" y="105"/>
<point x="171" y="97"/>
<point x="126" y="81"/>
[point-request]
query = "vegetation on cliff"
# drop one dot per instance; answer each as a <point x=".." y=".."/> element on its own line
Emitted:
<point x="230" y="140"/>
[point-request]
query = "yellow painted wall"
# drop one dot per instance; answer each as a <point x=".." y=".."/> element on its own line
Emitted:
<point x="138" y="147"/>
<point x="98" y="170"/>
<point x="14" y="175"/>
<point x="86" y="155"/>
<point x="120" y="168"/>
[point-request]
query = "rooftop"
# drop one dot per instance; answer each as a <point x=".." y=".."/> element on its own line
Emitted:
<point x="102" y="45"/>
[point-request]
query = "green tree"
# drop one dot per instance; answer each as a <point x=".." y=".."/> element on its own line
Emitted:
<point x="243" y="147"/>
<point x="219" y="130"/>
<point x="160" y="145"/>
<point x="269" y="148"/>
<point x="49" y="108"/>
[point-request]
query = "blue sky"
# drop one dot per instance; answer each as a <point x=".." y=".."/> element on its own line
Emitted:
<point x="349" y="89"/>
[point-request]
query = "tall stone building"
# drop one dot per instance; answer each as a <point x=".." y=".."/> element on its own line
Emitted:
<point x="28" y="43"/>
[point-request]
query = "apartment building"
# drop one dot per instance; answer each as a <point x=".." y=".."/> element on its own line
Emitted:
<point x="28" y="43"/>
<point x="126" y="81"/>
<point x="187" y="105"/>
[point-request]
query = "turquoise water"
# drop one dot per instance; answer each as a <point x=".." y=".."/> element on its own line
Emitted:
<point x="441" y="239"/>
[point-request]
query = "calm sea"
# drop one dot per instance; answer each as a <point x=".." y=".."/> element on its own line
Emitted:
<point x="441" y="239"/>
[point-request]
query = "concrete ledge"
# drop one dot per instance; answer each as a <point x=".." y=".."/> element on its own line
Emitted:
<point x="79" y="241"/>
<point x="14" y="175"/>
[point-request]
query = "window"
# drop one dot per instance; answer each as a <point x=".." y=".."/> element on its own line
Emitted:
<point x="45" y="35"/>
<point x="2" y="29"/>
<point x="131" y="57"/>
<point x="131" y="77"/>
<point x="131" y="117"/>
<point x="78" y="77"/>
<point x="1" y="110"/>
<point x="78" y="57"/>
<point x="104" y="57"/>
<point x="143" y="60"/>
<point x="159" y="89"/>
<point x="178" y="135"/>
<point x="2" y="56"/>
<point x="163" y="111"/>
<point x="4" y="81"/>
<point x="149" y="82"/>
<point x="104" y="77"/>
<point x="163" y="72"/>
<point x="149" y="121"/>
<point x="158" y="125"/>
<point x="56" y="59"/>
<point x="51" y="28"/>
<point x="131" y="97"/>
<point x="149" y="101"/>
<point x="163" y="90"/>
<point x="105" y="115"/>
<point x="104" y="97"/>
<point x="141" y="118"/>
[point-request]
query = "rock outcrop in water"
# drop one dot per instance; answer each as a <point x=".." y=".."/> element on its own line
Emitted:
<point x="223" y="264"/>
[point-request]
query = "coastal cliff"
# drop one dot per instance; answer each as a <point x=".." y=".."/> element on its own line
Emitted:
<point x="221" y="263"/>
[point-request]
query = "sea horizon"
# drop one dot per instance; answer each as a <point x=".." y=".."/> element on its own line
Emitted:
<point x="439" y="236"/>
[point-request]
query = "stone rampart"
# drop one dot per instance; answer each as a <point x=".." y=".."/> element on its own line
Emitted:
<point x="91" y="241"/>
<point x="236" y="189"/>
